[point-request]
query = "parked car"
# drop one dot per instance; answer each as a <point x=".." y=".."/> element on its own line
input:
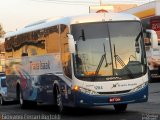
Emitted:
<point x="3" y="89"/>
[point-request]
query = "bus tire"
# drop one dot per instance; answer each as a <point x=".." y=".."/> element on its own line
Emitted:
<point x="33" y="104"/>
<point x="22" y="102"/>
<point x="120" y="107"/>
<point x="2" y="102"/>
<point x="58" y="101"/>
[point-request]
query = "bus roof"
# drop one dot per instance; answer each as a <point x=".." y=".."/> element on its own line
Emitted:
<point x="93" y="17"/>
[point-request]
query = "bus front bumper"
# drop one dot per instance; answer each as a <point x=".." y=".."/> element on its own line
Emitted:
<point x="82" y="99"/>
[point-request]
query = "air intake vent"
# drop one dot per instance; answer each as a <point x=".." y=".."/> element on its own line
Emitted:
<point x="115" y="92"/>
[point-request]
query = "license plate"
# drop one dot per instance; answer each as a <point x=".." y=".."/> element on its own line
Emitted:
<point x="114" y="99"/>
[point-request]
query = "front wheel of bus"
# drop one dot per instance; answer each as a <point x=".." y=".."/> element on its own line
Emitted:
<point x="59" y="104"/>
<point x="120" y="107"/>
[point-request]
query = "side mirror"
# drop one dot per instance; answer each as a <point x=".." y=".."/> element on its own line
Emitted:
<point x="147" y="37"/>
<point x="147" y="41"/>
<point x="71" y="43"/>
<point x="153" y="37"/>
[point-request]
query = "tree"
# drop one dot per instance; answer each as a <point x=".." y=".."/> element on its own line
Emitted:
<point x="1" y="31"/>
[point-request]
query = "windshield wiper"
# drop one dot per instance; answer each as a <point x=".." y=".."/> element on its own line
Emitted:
<point x="100" y="62"/>
<point x="121" y="62"/>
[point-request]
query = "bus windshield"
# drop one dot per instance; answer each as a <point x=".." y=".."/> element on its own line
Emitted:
<point x="108" y="49"/>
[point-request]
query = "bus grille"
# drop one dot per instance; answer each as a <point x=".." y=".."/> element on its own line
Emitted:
<point x="115" y="92"/>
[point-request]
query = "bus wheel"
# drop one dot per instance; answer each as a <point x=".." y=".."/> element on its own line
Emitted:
<point x="33" y="104"/>
<point x="120" y="107"/>
<point x="59" y="104"/>
<point x="2" y="102"/>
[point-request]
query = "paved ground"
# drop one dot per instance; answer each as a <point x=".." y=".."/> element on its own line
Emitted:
<point x="141" y="111"/>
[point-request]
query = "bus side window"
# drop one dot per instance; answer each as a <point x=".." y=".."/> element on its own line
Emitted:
<point x="52" y="40"/>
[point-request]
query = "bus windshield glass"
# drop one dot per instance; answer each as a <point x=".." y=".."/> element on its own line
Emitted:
<point x="108" y="49"/>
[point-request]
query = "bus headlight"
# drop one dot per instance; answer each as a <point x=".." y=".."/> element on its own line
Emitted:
<point x="84" y="90"/>
<point x="139" y="87"/>
<point x="90" y="92"/>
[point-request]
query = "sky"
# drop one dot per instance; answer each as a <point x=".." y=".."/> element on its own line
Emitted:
<point x="15" y="14"/>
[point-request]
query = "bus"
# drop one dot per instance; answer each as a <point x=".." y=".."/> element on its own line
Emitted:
<point x="78" y="61"/>
<point x="2" y="61"/>
<point x="153" y="54"/>
<point x="153" y="51"/>
<point x="149" y="14"/>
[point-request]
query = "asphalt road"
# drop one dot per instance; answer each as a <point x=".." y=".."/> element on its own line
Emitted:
<point x="140" y="111"/>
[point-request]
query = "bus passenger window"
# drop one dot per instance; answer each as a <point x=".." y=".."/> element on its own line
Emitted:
<point x="52" y="40"/>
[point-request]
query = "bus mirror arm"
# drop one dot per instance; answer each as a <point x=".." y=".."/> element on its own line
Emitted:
<point x="71" y="43"/>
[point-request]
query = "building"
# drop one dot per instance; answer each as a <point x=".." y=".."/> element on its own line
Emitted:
<point x="110" y="8"/>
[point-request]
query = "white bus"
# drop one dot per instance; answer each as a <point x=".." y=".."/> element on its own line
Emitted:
<point x="152" y="53"/>
<point x="85" y="61"/>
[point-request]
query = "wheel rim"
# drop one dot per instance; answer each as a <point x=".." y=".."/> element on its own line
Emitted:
<point x="59" y="102"/>
<point x="20" y="99"/>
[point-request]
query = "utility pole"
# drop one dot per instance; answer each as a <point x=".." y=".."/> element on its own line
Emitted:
<point x="100" y="2"/>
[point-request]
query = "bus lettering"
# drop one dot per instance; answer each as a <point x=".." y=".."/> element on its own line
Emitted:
<point x="39" y="65"/>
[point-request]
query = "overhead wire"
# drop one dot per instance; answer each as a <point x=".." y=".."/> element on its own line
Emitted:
<point x="68" y="2"/>
<point x="92" y="2"/>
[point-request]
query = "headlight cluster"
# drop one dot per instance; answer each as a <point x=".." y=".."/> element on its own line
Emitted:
<point x="139" y="87"/>
<point x="86" y="91"/>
